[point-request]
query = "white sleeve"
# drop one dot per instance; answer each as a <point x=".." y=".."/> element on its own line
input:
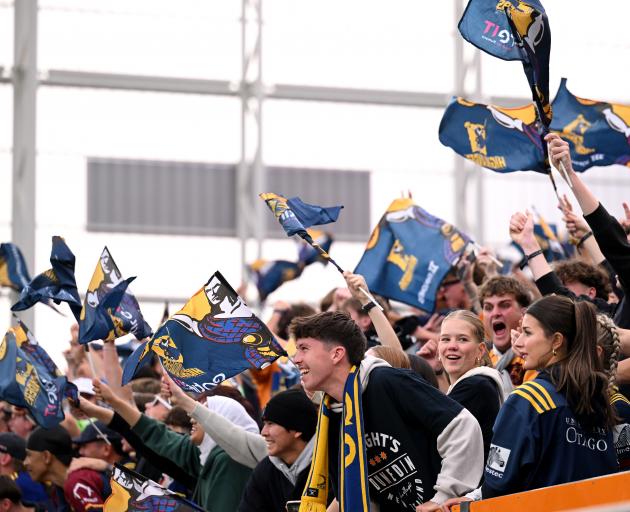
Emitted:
<point x="461" y="447"/>
<point x="244" y="447"/>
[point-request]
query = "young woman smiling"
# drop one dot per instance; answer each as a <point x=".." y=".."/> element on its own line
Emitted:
<point x="472" y="384"/>
<point x="556" y="428"/>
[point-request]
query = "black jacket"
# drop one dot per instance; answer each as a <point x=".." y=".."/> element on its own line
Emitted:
<point x="268" y="489"/>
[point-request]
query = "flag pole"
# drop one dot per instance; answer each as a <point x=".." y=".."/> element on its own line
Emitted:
<point x="309" y="240"/>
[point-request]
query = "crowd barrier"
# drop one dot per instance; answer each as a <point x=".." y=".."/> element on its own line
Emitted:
<point x="611" y="492"/>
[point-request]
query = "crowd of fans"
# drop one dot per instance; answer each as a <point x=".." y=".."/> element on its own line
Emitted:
<point x="515" y="383"/>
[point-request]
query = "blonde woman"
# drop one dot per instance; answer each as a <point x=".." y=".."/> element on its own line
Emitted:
<point x="464" y="356"/>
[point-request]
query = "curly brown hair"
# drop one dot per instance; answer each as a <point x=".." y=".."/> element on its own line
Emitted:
<point x="504" y="285"/>
<point x="574" y="271"/>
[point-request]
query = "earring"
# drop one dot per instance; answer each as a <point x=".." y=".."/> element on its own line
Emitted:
<point x="477" y="361"/>
<point x="554" y="352"/>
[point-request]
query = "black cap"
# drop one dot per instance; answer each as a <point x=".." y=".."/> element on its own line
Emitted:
<point x="13" y="444"/>
<point x="293" y="410"/>
<point x="56" y="440"/>
<point x="91" y="433"/>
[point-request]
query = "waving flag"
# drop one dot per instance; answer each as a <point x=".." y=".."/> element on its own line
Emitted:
<point x="598" y="132"/>
<point x="308" y="254"/>
<point x="514" y="30"/>
<point x="409" y="254"/>
<point x="270" y="275"/>
<point x="131" y="492"/>
<point x="212" y="338"/>
<point x="29" y="378"/>
<point x="109" y="310"/>
<point x="57" y="283"/>
<point x="295" y="215"/>
<point x="13" y="271"/>
<point x="499" y="139"/>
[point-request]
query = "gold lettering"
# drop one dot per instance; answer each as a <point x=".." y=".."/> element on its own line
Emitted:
<point x="491" y="162"/>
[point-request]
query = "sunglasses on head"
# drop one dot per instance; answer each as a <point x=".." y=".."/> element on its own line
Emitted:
<point x="159" y="400"/>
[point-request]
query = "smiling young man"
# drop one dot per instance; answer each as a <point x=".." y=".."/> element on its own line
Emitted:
<point x="420" y="446"/>
<point x="289" y="422"/>
<point x="504" y="300"/>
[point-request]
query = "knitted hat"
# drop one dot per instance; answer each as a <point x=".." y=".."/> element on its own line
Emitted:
<point x="56" y="440"/>
<point x="292" y="410"/>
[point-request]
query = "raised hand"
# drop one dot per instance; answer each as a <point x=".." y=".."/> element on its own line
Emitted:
<point x="559" y="151"/>
<point x="355" y="282"/>
<point x="522" y="230"/>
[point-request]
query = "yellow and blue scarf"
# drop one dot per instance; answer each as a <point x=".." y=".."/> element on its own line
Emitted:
<point x="353" y="488"/>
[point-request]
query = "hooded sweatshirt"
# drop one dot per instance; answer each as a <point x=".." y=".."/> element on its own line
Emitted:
<point x="220" y="480"/>
<point x="420" y="444"/>
<point x="481" y="391"/>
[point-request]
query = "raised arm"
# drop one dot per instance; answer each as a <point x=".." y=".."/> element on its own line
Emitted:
<point x="247" y="448"/>
<point x="127" y="411"/>
<point x="383" y="328"/>
<point x="113" y="371"/>
<point x="559" y="152"/>
<point x="522" y="233"/>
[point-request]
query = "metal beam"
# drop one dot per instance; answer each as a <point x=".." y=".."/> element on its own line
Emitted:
<point x="250" y="172"/>
<point x="65" y="78"/>
<point x="363" y="96"/>
<point x="88" y="79"/>
<point x="24" y="131"/>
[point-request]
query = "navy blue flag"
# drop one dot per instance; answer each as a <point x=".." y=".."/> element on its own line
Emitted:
<point x="295" y="216"/>
<point x="409" y="253"/>
<point x="514" y="30"/>
<point x="598" y="132"/>
<point x="13" y="271"/>
<point x="57" y="284"/>
<point x="212" y="338"/>
<point x="109" y="310"/>
<point x="29" y="378"/>
<point x="497" y="138"/>
<point x="132" y="492"/>
<point x="270" y="275"/>
<point x="308" y="254"/>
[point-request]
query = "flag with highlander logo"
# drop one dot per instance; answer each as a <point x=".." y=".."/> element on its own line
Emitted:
<point x="409" y="253"/>
<point x="212" y="338"/>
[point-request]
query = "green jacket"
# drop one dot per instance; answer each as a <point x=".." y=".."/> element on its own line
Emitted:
<point x="220" y="481"/>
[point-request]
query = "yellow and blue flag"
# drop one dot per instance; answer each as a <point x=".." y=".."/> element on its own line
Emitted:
<point x="57" y="284"/>
<point x="598" y="132"/>
<point x="212" y="338"/>
<point x="109" y="310"/>
<point x="132" y="492"/>
<point x="13" y="271"/>
<point x="308" y="254"/>
<point x="295" y="216"/>
<point x="270" y="275"/>
<point x="514" y="30"/>
<point x="409" y="253"/>
<point x="497" y="138"/>
<point x="29" y="378"/>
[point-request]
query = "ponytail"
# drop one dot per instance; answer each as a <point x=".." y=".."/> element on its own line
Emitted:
<point x="580" y="375"/>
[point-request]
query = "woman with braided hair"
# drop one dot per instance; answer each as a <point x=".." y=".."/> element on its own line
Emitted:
<point x="609" y="347"/>
<point x="558" y="427"/>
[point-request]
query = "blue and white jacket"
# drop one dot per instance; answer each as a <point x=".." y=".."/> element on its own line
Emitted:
<point x="537" y="442"/>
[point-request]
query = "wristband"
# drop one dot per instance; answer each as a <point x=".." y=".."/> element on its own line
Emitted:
<point x="368" y="306"/>
<point x="529" y="257"/>
<point x="584" y="239"/>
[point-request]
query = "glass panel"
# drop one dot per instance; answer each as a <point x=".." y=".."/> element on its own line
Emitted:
<point x="183" y="38"/>
<point x="374" y="45"/>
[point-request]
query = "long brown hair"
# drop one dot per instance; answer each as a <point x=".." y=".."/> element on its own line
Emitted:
<point x="579" y="376"/>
